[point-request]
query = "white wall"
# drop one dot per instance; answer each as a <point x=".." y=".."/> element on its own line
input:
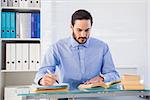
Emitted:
<point x="149" y="45"/>
<point x="120" y="23"/>
<point x="147" y="76"/>
<point x="46" y="25"/>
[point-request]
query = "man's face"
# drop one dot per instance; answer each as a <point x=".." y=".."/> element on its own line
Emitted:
<point x="81" y="30"/>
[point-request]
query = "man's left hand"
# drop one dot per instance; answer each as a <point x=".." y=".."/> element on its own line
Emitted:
<point x="95" y="80"/>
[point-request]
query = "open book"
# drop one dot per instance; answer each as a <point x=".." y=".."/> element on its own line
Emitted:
<point x="62" y="87"/>
<point x="104" y="85"/>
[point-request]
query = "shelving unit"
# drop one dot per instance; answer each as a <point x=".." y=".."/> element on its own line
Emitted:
<point x="20" y="8"/>
<point x="15" y="77"/>
<point x="12" y="71"/>
<point x="19" y="39"/>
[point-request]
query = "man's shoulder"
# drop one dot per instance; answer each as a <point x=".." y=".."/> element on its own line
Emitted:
<point x="99" y="44"/>
<point x="97" y="41"/>
<point x="63" y="41"/>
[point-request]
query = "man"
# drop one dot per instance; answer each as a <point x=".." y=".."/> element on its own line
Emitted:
<point x="80" y="58"/>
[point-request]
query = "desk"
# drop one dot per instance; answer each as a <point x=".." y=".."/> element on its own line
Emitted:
<point x="95" y="92"/>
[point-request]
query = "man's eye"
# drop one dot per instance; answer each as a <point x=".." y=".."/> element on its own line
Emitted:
<point x="79" y="30"/>
<point x="86" y="30"/>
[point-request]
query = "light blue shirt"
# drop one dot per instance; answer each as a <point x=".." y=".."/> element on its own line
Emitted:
<point x="79" y="62"/>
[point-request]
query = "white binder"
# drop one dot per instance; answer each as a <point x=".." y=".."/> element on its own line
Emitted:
<point x="28" y="24"/>
<point x="32" y="56"/>
<point x="15" y="3"/>
<point x="23" y="25"/>
<point x="17" y="25"/>
<point x="13" y="56"/>
<point x="25" y="56"/>
<point x="8" y="55"/>
<point x="10" y="3"/>
<point x="30" y="3"/>
<point x="23" y="3"/>
<point x="38" y="54"/>
<point x="37" y="3"/>
<point x="4" y="3"/>
<point x="19" y="56"/>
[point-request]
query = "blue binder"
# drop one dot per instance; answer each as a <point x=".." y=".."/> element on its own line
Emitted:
<point x="3" y="25"/>
<point x="32" y="25"/>
<point x="13" y="25"/>
<point x="37" y="25"/>
<point x="7" y="25"/>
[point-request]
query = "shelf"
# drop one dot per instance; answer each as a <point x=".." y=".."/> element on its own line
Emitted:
<point x="21" y="9"/>
<point x="18" y="40"/>
<point x="11" y="71"/>
<point x="21" y="39"/>
<point x="127" y="66"/>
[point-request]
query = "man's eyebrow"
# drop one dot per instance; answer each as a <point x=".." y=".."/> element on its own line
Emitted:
<point x="87" y="29"/>
<point x="82" y="29"/>
<point x="79" y="29"/>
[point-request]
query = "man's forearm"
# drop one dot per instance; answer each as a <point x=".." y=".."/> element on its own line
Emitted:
<point x="42" y="71"/>
<point x="111" y="76"/>
<point x="38" y="77"/>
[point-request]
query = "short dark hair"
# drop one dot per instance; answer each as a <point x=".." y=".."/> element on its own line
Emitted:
<point x="81" y="14"/>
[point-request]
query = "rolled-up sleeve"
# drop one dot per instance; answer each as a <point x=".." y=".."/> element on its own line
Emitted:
<point x="108" y="69"/>
<point x="49" y="62"/>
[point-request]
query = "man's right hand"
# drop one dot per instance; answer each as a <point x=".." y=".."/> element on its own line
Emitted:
<point x="48" y="80"/>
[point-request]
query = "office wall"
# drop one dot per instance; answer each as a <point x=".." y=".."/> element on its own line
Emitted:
<point x="120" y="23"/>
<point x="46" y="26"/>
<point x="147" y="76"/>
<point x="149" y="44"/>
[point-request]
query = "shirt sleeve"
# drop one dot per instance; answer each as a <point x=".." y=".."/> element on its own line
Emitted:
<point x="108" y="69"/>
<point x="50" y="61"/>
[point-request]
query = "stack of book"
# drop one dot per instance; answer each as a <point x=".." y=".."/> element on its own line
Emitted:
<point x="131" y="82"/>
<point x="54" y="88"/>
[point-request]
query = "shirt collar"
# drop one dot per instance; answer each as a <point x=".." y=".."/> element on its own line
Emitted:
<point x="74" y="43"/>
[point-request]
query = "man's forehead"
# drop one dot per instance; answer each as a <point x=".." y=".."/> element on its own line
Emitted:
<point x="83" y="28"/>
<point x="82" y="24"/>
<point x="82" y="20"/>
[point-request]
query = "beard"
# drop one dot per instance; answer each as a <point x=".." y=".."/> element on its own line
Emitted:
<point x="80" y="40"/>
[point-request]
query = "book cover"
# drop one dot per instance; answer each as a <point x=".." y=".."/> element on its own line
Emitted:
<point x="130" y="82"/>
<point x="133" y="87"/>
<point x="51" y="90"/>
<point x="130" y="77"/>
<point x="53" y="87"/>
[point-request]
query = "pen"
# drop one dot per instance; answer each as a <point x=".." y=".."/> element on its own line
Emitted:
<point x="52" y="77"/>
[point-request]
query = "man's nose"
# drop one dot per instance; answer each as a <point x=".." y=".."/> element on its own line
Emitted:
<point x="83" y="34"/>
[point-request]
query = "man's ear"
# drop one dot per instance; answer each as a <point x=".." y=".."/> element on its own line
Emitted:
<point x="71" y="26"/>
